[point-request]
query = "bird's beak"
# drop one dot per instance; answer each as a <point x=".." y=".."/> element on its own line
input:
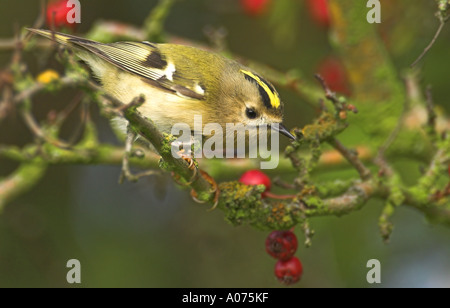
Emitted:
<point x="283" y="130"/>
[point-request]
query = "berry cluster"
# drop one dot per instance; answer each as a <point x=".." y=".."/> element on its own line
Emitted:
<point x="282" y="245"/>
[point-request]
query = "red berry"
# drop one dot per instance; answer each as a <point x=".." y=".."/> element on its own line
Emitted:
<point x="281" y="245"/>
<point x="254" y="7"/>
<point x="57" y="14"/>
<point x="290" y="271"/>
<point x="319" y="12"/>
<point x="256" y="177"/>
<point x="334" y="74"/>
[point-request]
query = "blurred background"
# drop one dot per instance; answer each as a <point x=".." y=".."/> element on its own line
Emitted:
<point x="151" y="234"/>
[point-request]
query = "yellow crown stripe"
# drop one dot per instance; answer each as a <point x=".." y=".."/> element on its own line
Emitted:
<point x="274" y="99"/>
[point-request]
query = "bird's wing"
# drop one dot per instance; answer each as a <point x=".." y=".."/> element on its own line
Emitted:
<point x="140" y="58"/>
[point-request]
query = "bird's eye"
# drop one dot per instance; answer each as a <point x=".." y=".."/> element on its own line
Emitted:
<point x="251" y="113"/>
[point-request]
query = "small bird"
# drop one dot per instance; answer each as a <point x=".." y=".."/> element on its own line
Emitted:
<point x="179" y="82"/>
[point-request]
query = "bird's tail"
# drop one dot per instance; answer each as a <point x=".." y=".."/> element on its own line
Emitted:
<point x="62" y="38"/>
<point x="85" y="49"/>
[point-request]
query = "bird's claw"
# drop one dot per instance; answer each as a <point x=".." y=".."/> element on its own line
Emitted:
<point x="215" y="190"/>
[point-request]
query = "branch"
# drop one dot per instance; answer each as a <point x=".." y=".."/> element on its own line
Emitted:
<point x="443" y="17"/>
<point x="162" y="144"/>
<point x="101" y="154"/>
<point x="242" y="205"/>
<point x="66" y="81"/>
<point x="353" y="199"/>
<point x="20" y="181"/>
<point x="422" y="191"/>
<point x="352" y="158"/>
<point x="425" y="51"/>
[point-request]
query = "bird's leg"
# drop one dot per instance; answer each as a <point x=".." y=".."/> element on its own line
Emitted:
<point x="191" y="166"/>
<point x="186" y="152"/>
<point x="126" y="172"/>
<point x="187" y="158"/>
<point x="215" y="190"/>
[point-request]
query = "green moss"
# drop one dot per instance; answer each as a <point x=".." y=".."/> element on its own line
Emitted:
<point x="242" y="204"/>
<point x="313" y="203"/>
<point x="166" y="145"/>
<point x="334" y="188"/>
<point x="164" y="165"/>
<point x="323" y="128"/>
<point x="420" y="196"/>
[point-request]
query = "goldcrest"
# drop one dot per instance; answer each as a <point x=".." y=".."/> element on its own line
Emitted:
<point x="179" y="82"/>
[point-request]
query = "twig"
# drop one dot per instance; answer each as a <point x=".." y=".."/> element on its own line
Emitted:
<point x="340" y="105"/>
<point x="6" y="87"/>
<point x="385" y="168"/>
<point x="126" y="172"/>
<point x="271" y="195"/>
<point x="432" y="174"/>
<point x="66" y="81"/>
<point x="17" y="54"/>
<point x="38" y="22"/>
<point x="279" y="182"/>
<point x="85" y="118"/>
<point x="330" y="95"/>
<point x="20" y="41"/>
<point x="136" y="102"/>
<point x="309" y="233"/>
<point x="384" y="222"/>
<point x="64" y="114"/>
<point x="10" y="44"/>
<point x="17" y="45"/>
<point x="436" y="35"/>
<point x="352" y="158"/>
<point x="36" y="130"/>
